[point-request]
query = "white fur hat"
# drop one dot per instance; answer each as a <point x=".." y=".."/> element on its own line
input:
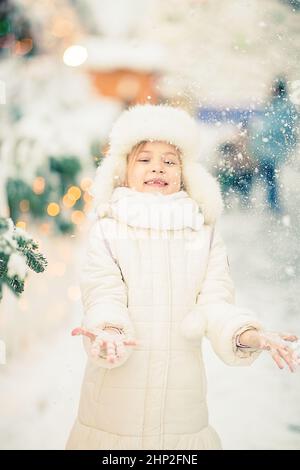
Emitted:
<point x="161" y="123"/>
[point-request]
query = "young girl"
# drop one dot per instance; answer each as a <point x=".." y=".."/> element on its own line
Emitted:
<point x="155" y="281"/>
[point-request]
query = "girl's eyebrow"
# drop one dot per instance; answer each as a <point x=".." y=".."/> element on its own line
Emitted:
<point x="165" y="153"/>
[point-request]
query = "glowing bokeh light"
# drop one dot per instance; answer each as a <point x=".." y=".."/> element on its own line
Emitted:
<point x="21" y="224"/>
<point x="77" y="217"/>
<point x="75" y="55"/>
<point x="53" y="209"/>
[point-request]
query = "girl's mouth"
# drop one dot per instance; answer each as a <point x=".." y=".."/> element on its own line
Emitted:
<point x="159" y="183"/>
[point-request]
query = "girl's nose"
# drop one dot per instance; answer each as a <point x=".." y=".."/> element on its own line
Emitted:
<point x="158" y="167"/>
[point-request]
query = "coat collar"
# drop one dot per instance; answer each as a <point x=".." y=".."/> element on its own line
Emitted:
<point x="153" y="210"/>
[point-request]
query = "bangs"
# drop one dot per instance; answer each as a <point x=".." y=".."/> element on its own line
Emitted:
<point x="138" y="147"/>
<point x="135" y="150"/>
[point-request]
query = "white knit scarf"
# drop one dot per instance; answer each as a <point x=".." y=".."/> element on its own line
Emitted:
<point x="155" y="211"/>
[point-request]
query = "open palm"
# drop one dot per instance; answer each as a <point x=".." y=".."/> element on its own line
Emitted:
<point x="107" y="344"/>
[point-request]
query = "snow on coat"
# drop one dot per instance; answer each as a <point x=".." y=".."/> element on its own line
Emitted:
<point x="167" y="289"/>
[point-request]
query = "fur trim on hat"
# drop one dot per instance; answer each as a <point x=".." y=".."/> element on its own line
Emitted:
<point x="158" y="123"/>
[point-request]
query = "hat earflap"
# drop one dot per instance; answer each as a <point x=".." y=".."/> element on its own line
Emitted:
<point x="204" y="189"/>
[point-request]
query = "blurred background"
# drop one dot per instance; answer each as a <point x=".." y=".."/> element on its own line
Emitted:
<point x="67" y="70"/>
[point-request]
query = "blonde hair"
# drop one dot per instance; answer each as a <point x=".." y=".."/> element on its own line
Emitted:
<point x="135" y="150"/>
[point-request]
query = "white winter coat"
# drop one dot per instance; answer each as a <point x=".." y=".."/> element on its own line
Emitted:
<point x="167" y="289"/>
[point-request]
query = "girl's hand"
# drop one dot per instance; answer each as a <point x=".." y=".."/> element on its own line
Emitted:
<point x="280" y="349"/>
<point x="109" y="344"/>
<point x="278" y="345"/>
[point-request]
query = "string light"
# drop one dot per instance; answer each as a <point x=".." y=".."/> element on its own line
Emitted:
<point x="68" y="201"/>
<point x="74" y="192"/>
<point x="38" y="185"/>
<point x="77" y="217"/>
<point x="21" y="224"/>
<point x="87" y="197"/>
<point x="53" y="209"/>
<point x="86" y="183"/>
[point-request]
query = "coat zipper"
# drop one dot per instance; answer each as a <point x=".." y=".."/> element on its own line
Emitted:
<point x="162" y="425"/>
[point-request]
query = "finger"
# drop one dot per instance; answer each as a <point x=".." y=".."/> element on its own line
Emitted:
<point x="110" y="345"/>
<point x="120" y="349"/>
<point x="287" y="357"/>
<point x="276" y="358"/>
<point x="276" y="343"/>
<point x="111" y="350"/>
<point x="130" y="342"/>
<point x="84" y="332"/>
<point x="78" y="331"/>
<point x="99" y="341"/>
<point x="111" y="358"/>
<point x="288" y="336"/>
<point x="95" y="350"/>
<point x="296" y="358"/>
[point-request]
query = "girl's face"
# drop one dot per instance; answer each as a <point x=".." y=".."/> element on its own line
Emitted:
<point x="154" y="167"/>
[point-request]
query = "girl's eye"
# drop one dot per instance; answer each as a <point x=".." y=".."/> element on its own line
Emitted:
<point x="169" y="162"/>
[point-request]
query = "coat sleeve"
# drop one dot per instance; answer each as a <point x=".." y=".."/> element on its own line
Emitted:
<point x="215" y="313"/>
<point x="104" y="295"/>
